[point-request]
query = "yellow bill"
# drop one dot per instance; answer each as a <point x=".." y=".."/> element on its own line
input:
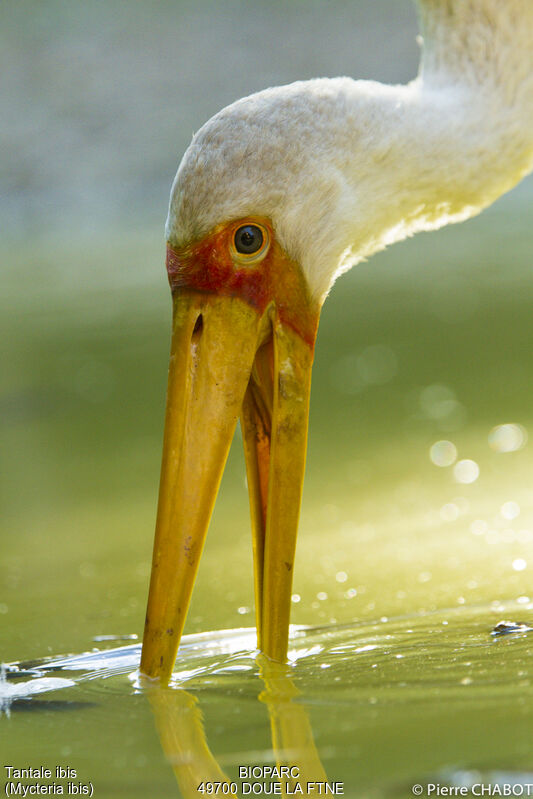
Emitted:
<point x="229" y="357"/>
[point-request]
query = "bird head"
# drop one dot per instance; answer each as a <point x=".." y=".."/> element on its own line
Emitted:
<point x="277" y="156"/>
<point x="245" y="316"/>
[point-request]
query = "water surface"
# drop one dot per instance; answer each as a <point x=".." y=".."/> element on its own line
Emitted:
<point x="410" y="550"/>
<point x="378" y="706"/>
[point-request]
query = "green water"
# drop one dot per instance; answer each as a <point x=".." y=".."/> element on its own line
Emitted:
<point x="380" y="707"/>
<point x="402" y="570"/>
<point x="393" y="552"/>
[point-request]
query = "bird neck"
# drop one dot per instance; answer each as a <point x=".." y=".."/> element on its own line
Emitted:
<point x="456" y="149"/>
<point x="421" y="156"/>
<point x="474" y="95"/>
<point x="447" y="145"/>
<point x="484" y="43"/>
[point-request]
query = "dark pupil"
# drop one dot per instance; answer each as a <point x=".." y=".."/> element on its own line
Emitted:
<point x="248" y="239"/>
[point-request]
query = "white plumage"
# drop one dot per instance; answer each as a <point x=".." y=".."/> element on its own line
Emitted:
<point x="343" y="168"/>
<point x="276" y="196"/>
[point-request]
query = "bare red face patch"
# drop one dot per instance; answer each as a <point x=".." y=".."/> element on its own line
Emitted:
<point x="210" y="265"/>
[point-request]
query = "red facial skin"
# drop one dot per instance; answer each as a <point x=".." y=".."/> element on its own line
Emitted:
<point x="208" y="266"/>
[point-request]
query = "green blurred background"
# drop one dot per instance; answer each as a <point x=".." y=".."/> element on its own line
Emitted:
<point x="427" y="341"/>
<point x="101" y="100"/>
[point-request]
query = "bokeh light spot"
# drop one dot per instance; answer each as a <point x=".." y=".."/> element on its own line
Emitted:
<point x="466" y="471"/>
<point x="443" y="453"/>
<point x="507" y="437"/>
<point x="510" y="510"/>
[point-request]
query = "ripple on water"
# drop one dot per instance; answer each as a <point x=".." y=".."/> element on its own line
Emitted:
<point x="439" y="654"/>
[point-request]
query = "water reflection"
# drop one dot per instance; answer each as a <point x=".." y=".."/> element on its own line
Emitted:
<point x="445" y="679"/>
<point x="292" y="736"/>
<point x="180" y="724"/>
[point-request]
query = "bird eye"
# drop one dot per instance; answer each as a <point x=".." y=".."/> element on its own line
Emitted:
<point x="248" y="239"/>
<point x="250" y="242"/>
